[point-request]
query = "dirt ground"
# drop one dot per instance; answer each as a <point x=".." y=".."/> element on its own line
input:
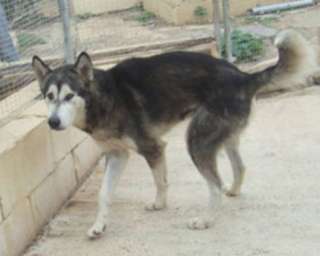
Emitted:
<point x="277" y="213"/>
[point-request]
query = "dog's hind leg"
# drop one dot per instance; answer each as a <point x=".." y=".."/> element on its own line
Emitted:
<point x="232" y="149"/>
<point x="206" y="135"/>
<point x="115" y="164"/>
<point x="153" y="151"/>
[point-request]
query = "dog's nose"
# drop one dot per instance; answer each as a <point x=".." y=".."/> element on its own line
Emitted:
<point x="54" y="122"/>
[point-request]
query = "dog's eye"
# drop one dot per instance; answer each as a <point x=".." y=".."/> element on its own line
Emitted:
<point x="69" y="97"/>
<point x="50" y="96"/>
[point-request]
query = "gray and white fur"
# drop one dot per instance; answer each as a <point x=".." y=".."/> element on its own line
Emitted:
<point x="132" y="105"/>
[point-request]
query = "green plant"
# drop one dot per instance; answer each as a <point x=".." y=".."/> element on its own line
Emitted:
<point x="200" y="11"/>
<point x="245" y="46"/>
<point x="266" y="21"/>
<point x="86" y="16"/>
<point x="145" y="17"/>
<point x="27" y="40"/>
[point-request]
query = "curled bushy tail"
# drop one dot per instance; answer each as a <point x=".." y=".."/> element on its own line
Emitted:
<point x="297" y="61"/>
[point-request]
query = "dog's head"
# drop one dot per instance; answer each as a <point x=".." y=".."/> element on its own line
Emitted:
<point x="64" y="89"/>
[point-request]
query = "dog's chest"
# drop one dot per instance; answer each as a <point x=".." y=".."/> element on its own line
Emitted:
<point x="108" y="142"/>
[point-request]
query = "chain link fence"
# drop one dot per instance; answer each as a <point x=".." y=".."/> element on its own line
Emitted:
<point x="249" y="37"/>
<point x="57" y="30"/>
<point x="27" y="27"/>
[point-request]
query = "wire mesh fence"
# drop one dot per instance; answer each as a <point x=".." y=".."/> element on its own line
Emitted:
<point x="57" y="30"/>
<point x="248" y="37"/>
<point x="27" y="27"/>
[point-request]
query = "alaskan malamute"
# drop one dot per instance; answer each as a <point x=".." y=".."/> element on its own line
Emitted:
<point x="132" y="105"/>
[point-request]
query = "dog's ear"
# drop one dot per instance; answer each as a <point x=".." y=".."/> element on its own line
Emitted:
<point x="84" y="66"/>
<point x="40" y="69"/>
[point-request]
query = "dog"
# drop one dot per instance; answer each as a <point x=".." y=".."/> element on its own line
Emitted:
<point x="132" y="105"/>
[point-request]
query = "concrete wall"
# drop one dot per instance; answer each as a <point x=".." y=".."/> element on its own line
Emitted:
<point x="241" y="7"/>
<point x="50" y="8"/>
<point x="39" y="170"/>
<point x="101" y="6"/>
<point x="182" y="11"/>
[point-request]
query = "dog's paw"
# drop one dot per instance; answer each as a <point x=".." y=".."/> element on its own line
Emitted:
<point x="231" y="192"/>
<point x="154" y="207"/>
<point x="96" y="230"/>
<point x="198" y="224"/>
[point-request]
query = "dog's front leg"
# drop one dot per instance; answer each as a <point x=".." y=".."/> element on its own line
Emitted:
<point x="153" y="152"/>
<point x="159" y="173"/>
<point x="115" y="164"/>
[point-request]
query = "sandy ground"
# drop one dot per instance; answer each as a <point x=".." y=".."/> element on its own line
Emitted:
<point x="277" y="213"/>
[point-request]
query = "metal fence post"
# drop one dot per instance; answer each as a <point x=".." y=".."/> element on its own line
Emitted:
<point x="217" y="27"/>
<point x="227" y="30"/>
<point x="64" y="9"/>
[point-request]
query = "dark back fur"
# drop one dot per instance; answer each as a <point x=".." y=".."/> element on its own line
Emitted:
<point x="168" y="87"/>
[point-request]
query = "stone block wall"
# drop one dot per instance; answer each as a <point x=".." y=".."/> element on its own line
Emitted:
<point x="39" y="170"/>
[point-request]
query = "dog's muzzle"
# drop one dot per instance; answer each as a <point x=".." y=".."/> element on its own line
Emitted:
<point x="54" y="123"/>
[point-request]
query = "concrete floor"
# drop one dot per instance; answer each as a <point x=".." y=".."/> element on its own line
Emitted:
<point x="277" y="213"/>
